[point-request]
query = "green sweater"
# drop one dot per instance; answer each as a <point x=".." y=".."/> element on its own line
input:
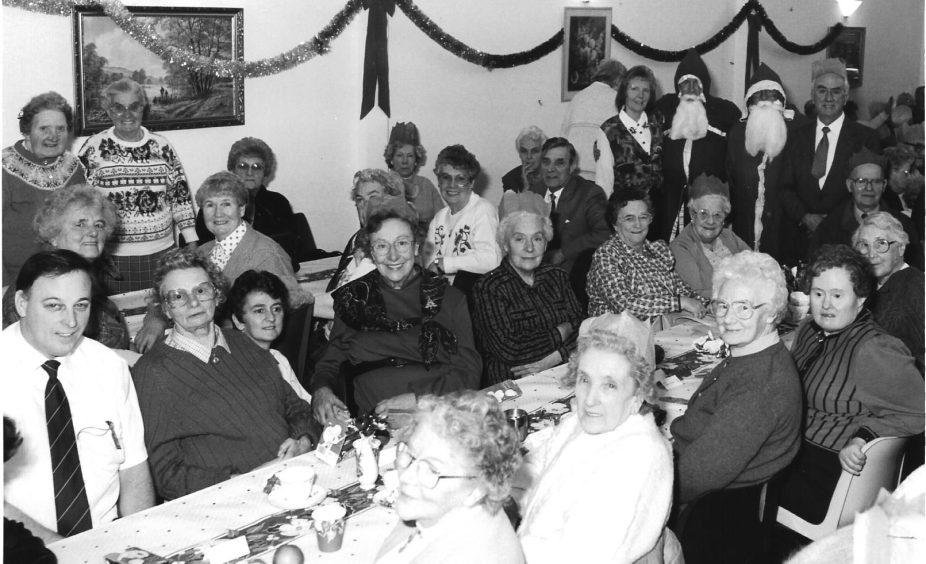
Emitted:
<point x="742" y="426"/>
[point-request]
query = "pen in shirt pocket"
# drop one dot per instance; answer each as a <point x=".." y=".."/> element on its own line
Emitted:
<point x="112" y="430"/>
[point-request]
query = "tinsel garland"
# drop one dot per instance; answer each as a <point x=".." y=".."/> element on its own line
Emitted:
<point x="320" y="44"/>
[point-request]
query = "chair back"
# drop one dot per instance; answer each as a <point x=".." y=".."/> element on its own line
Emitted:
<point x="853" y="494"/>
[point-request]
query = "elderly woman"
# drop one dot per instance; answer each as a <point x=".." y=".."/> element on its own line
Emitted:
<point x="722" y="463"/>
<point x="139" y="171"/>
<point x="405" y="156"/>
<point x="371" y="188"/>
<point x="33" y="168"/>
<point x="528" y="144"/>
<point x="705" y="241"/>
<point x="589" y="500"/>
<point x="455" y="469"/>
<point x="270" y="213"/>
<point x="462" y="235"/>
<point x="633" y="274"/>
<point x="238" y="247"/>
<point x="399" y="331"/>
<point x="860" y="383"/>
<point x="78" y="218"/>
<point x="258" y="302"/>
<point x="897" y="305"/>
<point x="629" y="144"/>
<point x="213" y="401"/>
<point x="525" y="312"/>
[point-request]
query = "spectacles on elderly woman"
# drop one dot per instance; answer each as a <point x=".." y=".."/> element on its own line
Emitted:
<point x="205" y="292"/>
<point x="256" y="167"/>
<point x="459" y="180"/>
<point x="133" y="108"/>
<point x="741" y="309"/>
<point x="879" y="245"/>
<point x="427" y="475"/>
<point x="706" y="215"/>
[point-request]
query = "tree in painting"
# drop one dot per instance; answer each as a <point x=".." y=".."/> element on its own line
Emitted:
<point x="95" y="78"/>
<point x="205" y="36"/>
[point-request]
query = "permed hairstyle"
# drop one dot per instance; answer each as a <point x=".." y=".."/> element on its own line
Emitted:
<point x="254" y="148"/>
<point x="531" y="133"/>
<point x="49" y="219"/>
<point x="223" y="182"/>
<point x="473" y="423"/>
<point x="390" y="181"/>
<point x="609" y="341"/>
<point x="760" y="271"/>
<point x="861" y="273"/>
<point x="46" y="101"/>
<point x="508" y="223"/>
<point x="884" y="221"/>
<point x="375" y="222"/>
<point x="459" y="158"/>
<point x="186" y="258"/>
<point x="251" y="281"/>
<point x="623" y="196"/>
<point x="128" y="86"/>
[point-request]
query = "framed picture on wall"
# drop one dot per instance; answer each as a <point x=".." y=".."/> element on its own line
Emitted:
<point x="179" y="97"/>
<point x="587" y="42"/>
<point x="850" y="47"/>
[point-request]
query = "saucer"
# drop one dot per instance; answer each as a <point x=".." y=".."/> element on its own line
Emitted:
<point x="284" y="499"/>
<point x="296" y="528"/>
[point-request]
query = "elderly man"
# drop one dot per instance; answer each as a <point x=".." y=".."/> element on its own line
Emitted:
<point x="577" y="211"/>
<point x="695" y="143"/>
<point x="865" y="184"/>
<point x="588" y="110"/>
<point x="755" y="162"/>
<point x="819" y="155"/>
<point x="83" y="460"/>
<point x="528" y="144"/>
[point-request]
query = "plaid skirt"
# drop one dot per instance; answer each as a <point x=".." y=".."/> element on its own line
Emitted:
<point x="133" y="272"/>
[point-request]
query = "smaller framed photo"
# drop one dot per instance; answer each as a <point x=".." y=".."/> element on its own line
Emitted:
<point x="587" y="42"/>
<point x="850" y="47"/>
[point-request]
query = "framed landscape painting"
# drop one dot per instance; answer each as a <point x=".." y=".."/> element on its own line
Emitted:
<point x="179" y="97"/>
<point x="586" y="42"/>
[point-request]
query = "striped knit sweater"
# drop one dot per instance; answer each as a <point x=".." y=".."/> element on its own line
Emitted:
<point x="860" y="382"/>
<point x="207" y="421"/>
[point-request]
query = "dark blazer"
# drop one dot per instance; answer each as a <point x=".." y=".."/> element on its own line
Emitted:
<point x="512" y="180"/>
<point x="801" y="192"/>
<point x="579" y="222"/>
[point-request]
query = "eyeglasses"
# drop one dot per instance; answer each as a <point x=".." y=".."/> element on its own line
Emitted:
<point x="205" y="292"/>
<point x="705" y="215"/>
<point x="133" y="108"/>
<point x="869" y="182"/>
<point x="459" y="181"/>
<point x="255" y="167"/>
<point x="381" y="247"/>
<point x="427" y="475"/>
<point x="642" y="218"/>
<point x="879" y="245"/>
<point x="741" y="309"/>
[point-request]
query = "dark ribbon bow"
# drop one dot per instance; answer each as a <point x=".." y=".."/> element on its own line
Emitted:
<point x="376" y="56"/>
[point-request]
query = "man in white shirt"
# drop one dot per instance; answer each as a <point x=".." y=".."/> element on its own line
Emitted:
<point x="819" y="160"/>
<point x="45" y="356"/>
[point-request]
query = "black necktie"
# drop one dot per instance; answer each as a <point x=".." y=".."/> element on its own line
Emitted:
<point x="552" y="205"/>
<point x="71" y="505"/>
<point x="554" y="217"/>
<point x="818" y="169"/>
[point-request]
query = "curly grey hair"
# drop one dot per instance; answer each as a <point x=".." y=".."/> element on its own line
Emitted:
<point x="641" y="372"/>
<point x="755" y="268"/>
<point x="473" y="423"/>
<point x="390" y="181"/>
<point x="49" y="219"/>
<point x="222" y="183"/>
<point x="510" y="221"/>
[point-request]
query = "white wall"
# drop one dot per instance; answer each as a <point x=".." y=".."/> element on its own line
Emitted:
<point x="309" y="115"/>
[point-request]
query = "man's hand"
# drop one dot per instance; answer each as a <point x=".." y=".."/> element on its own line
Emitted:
<point x="851" y="457"/>
<point x="152" y="331"/>
<point x="326" y="406"/>
<point x="812" y="220"/>
<point x="294" y="447"/>
<point x="692" y="306"/>
<point x="437" y="265"/>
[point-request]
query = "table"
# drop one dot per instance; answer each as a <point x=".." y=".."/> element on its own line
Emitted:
<point x="313" y="277"/>
<point x="238" y="502"/>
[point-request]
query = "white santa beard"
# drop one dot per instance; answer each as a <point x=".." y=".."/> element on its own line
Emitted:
<point x="690" y="120"/>
<point x="765" y="131"/>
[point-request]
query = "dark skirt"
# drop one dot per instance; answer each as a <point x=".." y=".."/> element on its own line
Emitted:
<point x="723" y="527"/>
<point x="806" y="486"/>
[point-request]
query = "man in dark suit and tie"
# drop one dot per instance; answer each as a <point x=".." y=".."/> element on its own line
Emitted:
<point x="819" y="155"/>
<point x="577" y="211"/>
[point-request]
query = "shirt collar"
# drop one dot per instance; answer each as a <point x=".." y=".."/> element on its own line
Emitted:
<point x="630" y="122"/>
<point x="835" y="127"/>
<point x="230" y="243"/>
<point x="182" y="342"/>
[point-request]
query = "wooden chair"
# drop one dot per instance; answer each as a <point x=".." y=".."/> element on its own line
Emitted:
<point x="854" y="494"/>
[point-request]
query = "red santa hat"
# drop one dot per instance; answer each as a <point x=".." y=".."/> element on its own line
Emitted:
<point x="765" y="79"/>
<point x="692" y="66"/>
